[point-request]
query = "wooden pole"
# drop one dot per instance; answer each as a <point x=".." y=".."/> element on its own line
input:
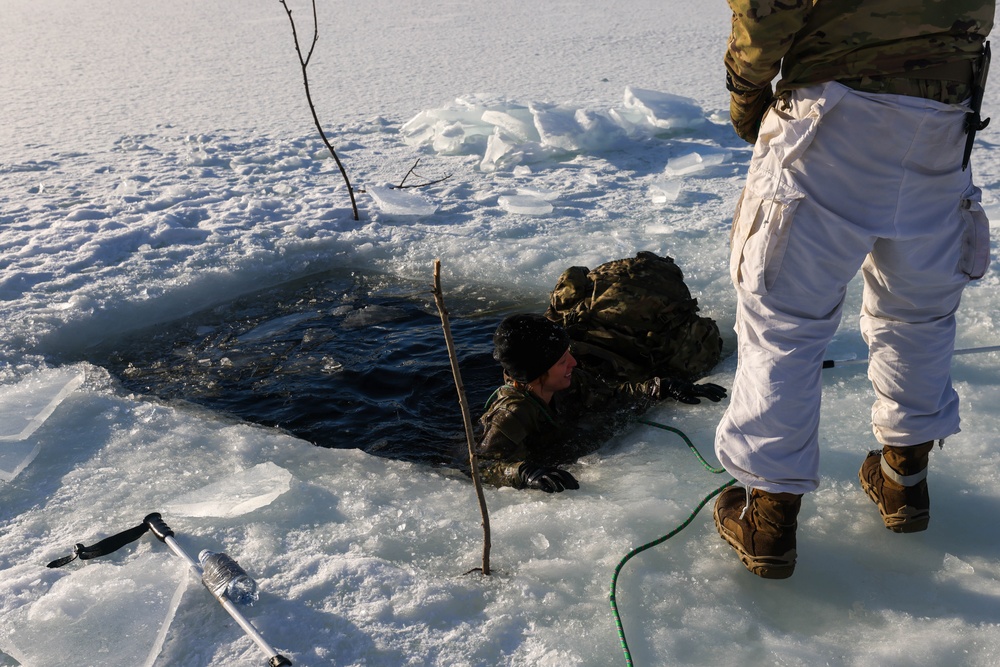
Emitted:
<point x="466" y="418"/>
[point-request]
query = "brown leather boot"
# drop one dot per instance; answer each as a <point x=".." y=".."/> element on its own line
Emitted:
<point x="896" y="480"/>
<point x="763" y="532"/>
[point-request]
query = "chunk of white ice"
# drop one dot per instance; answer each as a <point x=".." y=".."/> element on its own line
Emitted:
<point x="24" y="407"/>
<point x="665" y="111"/>
<point x="955" y="565"/>
<point x="541" y="193"/>
<point x="518" y="123"/>
<point x="497" y="148"/>
<point x="235" y="495"/>
<point x="692" y="163"/>
<point x="557" y="126"/>
<point x="664" y="191"/>
<point x="399" y="202"/>
<point x="101" y="614"/>
<point x="524" y="204"/>
<point x="658" y="228"/>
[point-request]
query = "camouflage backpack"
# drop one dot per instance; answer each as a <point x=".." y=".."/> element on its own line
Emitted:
<point x="633" y="319"/>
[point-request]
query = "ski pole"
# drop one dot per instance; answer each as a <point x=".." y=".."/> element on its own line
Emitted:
<point x="833" y="363"/>
<point x="163" y="533"/>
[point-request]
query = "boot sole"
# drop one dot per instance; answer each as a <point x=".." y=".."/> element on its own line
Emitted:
<point x="906" y="520"/>
<point x="766" y="567"/>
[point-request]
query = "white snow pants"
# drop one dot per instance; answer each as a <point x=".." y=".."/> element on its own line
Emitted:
<point x="840" y="181"/>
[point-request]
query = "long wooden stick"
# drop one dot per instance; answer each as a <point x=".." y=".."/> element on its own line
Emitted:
<point x="466" y="418"/>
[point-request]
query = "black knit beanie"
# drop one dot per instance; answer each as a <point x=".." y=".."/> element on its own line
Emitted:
<point x="527" y="345"/>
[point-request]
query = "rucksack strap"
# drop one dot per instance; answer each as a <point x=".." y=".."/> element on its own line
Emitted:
<point x="104" y="547"/>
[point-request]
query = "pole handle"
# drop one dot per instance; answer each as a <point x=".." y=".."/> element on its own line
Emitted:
<point x="158" y="526"/>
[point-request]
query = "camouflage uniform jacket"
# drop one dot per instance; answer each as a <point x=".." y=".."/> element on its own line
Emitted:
<point x="518" y="427"/>
<point x="910" y="47"/>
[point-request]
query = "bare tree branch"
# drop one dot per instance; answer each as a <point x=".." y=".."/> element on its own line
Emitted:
<point x="402" y="183"/>
<point x="304" y="62"/>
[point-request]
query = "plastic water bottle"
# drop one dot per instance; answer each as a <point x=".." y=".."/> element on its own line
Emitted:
<point x="223" y="576"/>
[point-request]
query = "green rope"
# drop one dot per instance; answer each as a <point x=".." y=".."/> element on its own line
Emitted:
<point x="661" y="540"/>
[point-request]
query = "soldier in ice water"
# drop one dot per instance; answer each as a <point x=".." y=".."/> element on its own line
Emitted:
<point x="549" y="412"/>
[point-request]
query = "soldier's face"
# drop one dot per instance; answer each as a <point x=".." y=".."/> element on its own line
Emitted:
<point x="560" y="375"/>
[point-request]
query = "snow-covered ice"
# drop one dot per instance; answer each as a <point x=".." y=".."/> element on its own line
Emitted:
<point x="157" y="159"/>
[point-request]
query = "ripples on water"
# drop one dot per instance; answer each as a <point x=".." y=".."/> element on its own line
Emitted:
<point x="344" y="360"/>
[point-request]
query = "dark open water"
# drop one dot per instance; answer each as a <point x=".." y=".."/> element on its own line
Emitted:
<point x="344" y="359"/>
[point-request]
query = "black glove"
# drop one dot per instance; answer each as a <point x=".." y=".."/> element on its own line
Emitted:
<point x="747" y="107"/>
<point x="546" y="478"/>
<point x="688" y="392"/>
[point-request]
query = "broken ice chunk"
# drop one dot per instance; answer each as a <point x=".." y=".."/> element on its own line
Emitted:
<point x="104" y="613"/>
<point x="664" y="191"/>
<point x="664" y="110"/>
<point x="524" y="204"/>
<point x="236" y="495"/>
<point x="557" y="126"/>
<point x="23" y="408"/>
<point x="398" y="202"/>
<point x="658" y="228"/>
<point x="955" y="565"/>
<point x="692" y="163"/>
<point x="496" y="149"/>
<point x="541" y="193"/>
<point x="517" y="123"/>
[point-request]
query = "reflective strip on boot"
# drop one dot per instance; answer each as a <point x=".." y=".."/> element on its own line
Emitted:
<point x="902" y="480"/>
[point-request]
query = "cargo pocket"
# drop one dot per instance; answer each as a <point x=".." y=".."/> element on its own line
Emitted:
<point x="976" y="236"/>
<point x="763" y="217"/>
<point x="788" y="130"/>
<point x="759" y="238"/>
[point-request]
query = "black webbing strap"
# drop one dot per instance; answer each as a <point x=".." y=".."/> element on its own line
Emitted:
<point x="105" y="546"/>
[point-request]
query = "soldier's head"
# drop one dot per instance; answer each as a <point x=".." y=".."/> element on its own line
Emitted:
<point x="528" y="346"/>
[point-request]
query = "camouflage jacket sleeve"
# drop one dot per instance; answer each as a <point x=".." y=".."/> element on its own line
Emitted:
<point x="508" y="422"/>
<point x="644" y="393"/>
<point x="496" y="467"/>
<point x="592" y="395"/>
<point x="762" y="33"/>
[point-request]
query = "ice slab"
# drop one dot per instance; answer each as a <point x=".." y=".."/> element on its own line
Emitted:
<point x="664" y="191"/>
<point x="273" y="328"/>
<point x="399" y="202"/>
<point x="665" y="111"/>
<point x="102" y="614"/>
<point x="517" y="123"/>
<point x="26" y="405"/>
<point x="658" y="228"/>
<point x="557" y="126"/>
<point x="692" y="163"/>
<point x="23" y="408"/>
<point x="497" y="149"/>
<point x="236" y="495"/>
<point x="540" y="193"/>
<point x="524" y="204"/>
